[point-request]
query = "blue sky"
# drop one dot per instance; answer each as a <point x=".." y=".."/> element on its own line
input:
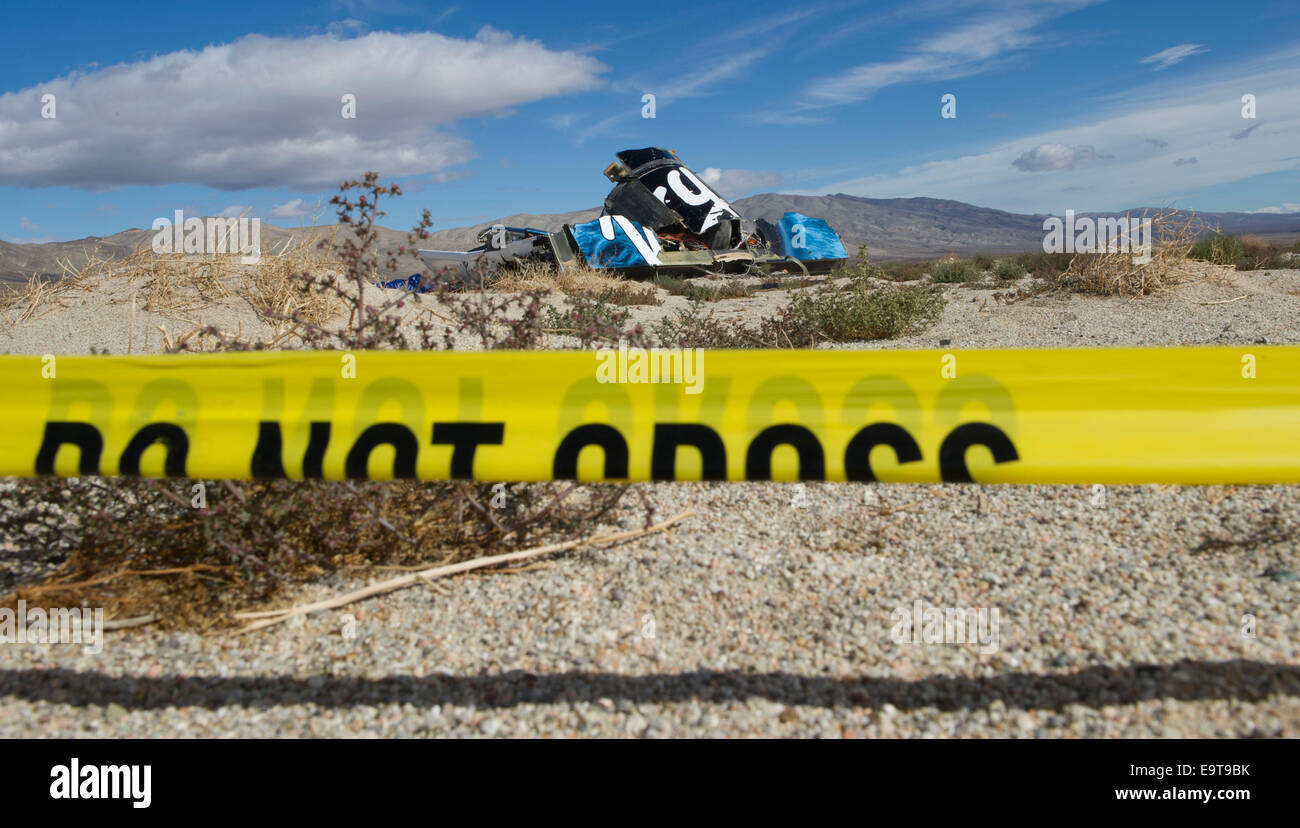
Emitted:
<point x="481" y="111"/>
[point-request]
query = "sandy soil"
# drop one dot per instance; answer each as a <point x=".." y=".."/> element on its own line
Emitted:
<point x="769" y="612"/>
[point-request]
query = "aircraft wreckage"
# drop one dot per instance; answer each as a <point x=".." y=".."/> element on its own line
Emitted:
<point x="659" y="219"/>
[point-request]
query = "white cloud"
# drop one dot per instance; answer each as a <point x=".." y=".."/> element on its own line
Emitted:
<point x="694" y="84"/>
<point x="236" y="211"/>
<point x="1285" y="207"/>
<point x="27" y="224"/>
<point x="1190" y="117"/>
<point x="289" y="210"/>
<point x="969" y="49"/>
<point x="738" y="183"/>
<point x="1174" y="54"/>
<point x="666" y="90"/>
<point x="266" y="111"/>
<point x="1046" y="157"/>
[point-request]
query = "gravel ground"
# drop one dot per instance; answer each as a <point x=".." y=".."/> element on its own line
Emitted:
<point x="771" y="611"/>
<point x="760" y="617"/>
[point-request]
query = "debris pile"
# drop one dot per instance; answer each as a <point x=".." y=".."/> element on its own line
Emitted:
<point x="660" y="218"/>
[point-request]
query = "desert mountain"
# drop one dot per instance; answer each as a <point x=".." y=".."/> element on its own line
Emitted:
<point x="894" y="228"/>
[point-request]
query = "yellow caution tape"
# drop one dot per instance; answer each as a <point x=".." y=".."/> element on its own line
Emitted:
<point x="1164" y="415"/>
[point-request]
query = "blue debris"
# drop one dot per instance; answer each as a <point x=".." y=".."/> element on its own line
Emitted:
<point x="809" y="239"/>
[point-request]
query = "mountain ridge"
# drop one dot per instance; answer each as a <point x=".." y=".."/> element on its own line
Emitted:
<point x="893" y="228"/>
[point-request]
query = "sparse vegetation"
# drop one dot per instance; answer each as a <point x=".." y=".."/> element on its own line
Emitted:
<point x="905" y="271"/>
<point x="627" y="293"/>
<point x="951" y="271"/>
<point x="139" y="547"/>
<point x="1219" y="248"/>
<point x="861" y="313"/>
<point x="790" y="283"/>
<point x="1114" y="273"/>
<point x="860" y="269"/>
<point x="574" y="280"/>
<point x="1043" y="265"/>
<point x="1244" y="253"/>
<point x="691" y="327"/>
<point x="1009" y="270"/>
<point x="852" y="313"/>
<point x="700" y="290"/>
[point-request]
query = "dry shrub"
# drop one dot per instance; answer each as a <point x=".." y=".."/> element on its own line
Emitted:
<point x="176" y="283"/>
<point x="42" y="295"/>
<point x="704" y="289"/>
<point x="38" y="297"/>
<point x="1113" y="272"/>
<point x="574" y="280"/>
<point x="908" y="271"/>
<point x="140" y="547"/>
<point x="275" y="286"/>
<point x="1261" y="254"/>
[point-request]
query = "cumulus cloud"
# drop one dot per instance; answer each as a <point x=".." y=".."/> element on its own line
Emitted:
<point x="1174" y="54"/>
<point x="267" y="111"/>
<point x="1046" y="157"/>
<point x="737" y="183"/>
<point x="1179" y="162"/>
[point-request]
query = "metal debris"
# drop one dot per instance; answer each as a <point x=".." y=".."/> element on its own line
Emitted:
<point x="660" y="219"/>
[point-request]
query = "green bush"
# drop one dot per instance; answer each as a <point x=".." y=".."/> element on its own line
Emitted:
<point x="1009" y="270"/>
<point x="860" y="269"/>
<point x="1220" y="248"/>
<point x="859" y="313"/>
<point x="690" y="327"/>
<point x="955" y="270"/>
<point x="847" y="314"/>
